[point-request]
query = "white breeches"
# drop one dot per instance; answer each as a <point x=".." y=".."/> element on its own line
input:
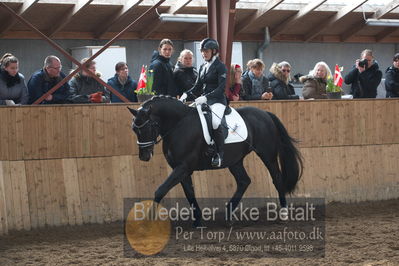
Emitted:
<point x="217" y="114"/>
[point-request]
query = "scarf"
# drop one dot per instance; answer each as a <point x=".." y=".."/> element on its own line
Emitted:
<point x="257" y="88"/>
<point x="10" y="80"/>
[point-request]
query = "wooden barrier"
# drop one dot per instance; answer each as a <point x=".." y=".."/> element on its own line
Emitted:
<point x="72" y="165"/>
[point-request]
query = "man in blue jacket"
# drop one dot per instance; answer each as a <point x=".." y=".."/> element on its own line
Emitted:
<point x="45" y="79"/>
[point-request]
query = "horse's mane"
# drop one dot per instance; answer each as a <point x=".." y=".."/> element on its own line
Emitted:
<point x="166" y="104"/>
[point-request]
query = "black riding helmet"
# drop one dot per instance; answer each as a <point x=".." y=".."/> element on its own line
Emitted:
<point x="209" y="43"/>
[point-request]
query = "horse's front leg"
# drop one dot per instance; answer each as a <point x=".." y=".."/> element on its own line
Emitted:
<point x="178" y="174"/>
<point x="188" y="188"/>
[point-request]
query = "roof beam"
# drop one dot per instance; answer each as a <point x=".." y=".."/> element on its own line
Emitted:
<point x="22" y="10"/>
<point x="386" y="9"/>
<point x="68" y="16"/>
<point x="385" y="33"/>
<point x="377" y="15"/>
<point x="175" y="8"/>
<point x="301" y="13"/>
<point x="260" y="13"/>
<point x="151" y="28"/>
<point x="255" y="37"/>
<point x="200" y="29"/>
<point x="179" y="5"/>
<point x="194" y="31"/>
<point x="126" y="8"/>
<point x="353" y="29"/>
<point x="333" y="19"/>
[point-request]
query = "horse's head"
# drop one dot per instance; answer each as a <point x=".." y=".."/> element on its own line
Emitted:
<point x="147" y="130"/>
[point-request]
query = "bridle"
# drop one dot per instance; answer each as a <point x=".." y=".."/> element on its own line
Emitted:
<point x="155" y="141"/>
<point x="148" y="143"/>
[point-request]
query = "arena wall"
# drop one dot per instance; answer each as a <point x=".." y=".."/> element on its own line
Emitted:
<point x="74" y="164"/>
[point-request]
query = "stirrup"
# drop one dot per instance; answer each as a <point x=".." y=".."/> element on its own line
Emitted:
<point x="216" y="161"/>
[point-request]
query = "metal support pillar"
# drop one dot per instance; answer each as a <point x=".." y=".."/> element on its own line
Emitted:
<point x="221" y="16"/>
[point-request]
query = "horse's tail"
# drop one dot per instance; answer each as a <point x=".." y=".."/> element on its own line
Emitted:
<point x="290" y="158"/>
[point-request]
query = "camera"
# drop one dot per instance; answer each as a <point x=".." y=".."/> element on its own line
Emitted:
<point x="363" y="63"/>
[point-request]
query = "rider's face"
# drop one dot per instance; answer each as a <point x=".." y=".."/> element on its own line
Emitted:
<point x="206" y="54"/>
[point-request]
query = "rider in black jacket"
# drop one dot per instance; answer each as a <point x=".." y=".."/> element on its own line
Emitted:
<point x="209" y="88"/>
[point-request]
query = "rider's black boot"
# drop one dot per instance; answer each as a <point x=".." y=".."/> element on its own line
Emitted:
<point x="218" y="137"/>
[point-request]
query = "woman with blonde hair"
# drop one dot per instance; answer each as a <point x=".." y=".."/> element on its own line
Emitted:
<point x="314" y="84"/>
<point x="280" y="78"/>
<point x="185" y="73"/>
<point x="233" y="93"/>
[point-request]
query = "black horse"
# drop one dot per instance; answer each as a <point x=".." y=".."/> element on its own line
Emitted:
<point x="186" y="151"/>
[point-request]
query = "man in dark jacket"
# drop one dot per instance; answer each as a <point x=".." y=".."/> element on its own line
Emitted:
<point x="392" y="78"/>
<point x="86" y="89"/>
<point x="364" y="77"/>
<point x="255" y="86"/>
<point x="163" y="73"/>
<point x="45" y="79"/>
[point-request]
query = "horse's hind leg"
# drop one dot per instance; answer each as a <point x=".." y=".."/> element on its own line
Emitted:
<point x="243" y="181"/>
<point x="188" y="188"/>
<point x="274" y="170"/>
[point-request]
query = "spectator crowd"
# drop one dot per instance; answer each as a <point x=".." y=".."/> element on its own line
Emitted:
<point x="251" y="83"/>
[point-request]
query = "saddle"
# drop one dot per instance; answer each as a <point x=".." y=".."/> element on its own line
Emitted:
<point x="234" y="127"/>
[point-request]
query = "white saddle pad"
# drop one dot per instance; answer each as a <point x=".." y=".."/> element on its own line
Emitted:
<point x="237" y="129"/>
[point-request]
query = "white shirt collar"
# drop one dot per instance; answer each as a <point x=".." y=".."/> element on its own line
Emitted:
<point x="209" y="63"/>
